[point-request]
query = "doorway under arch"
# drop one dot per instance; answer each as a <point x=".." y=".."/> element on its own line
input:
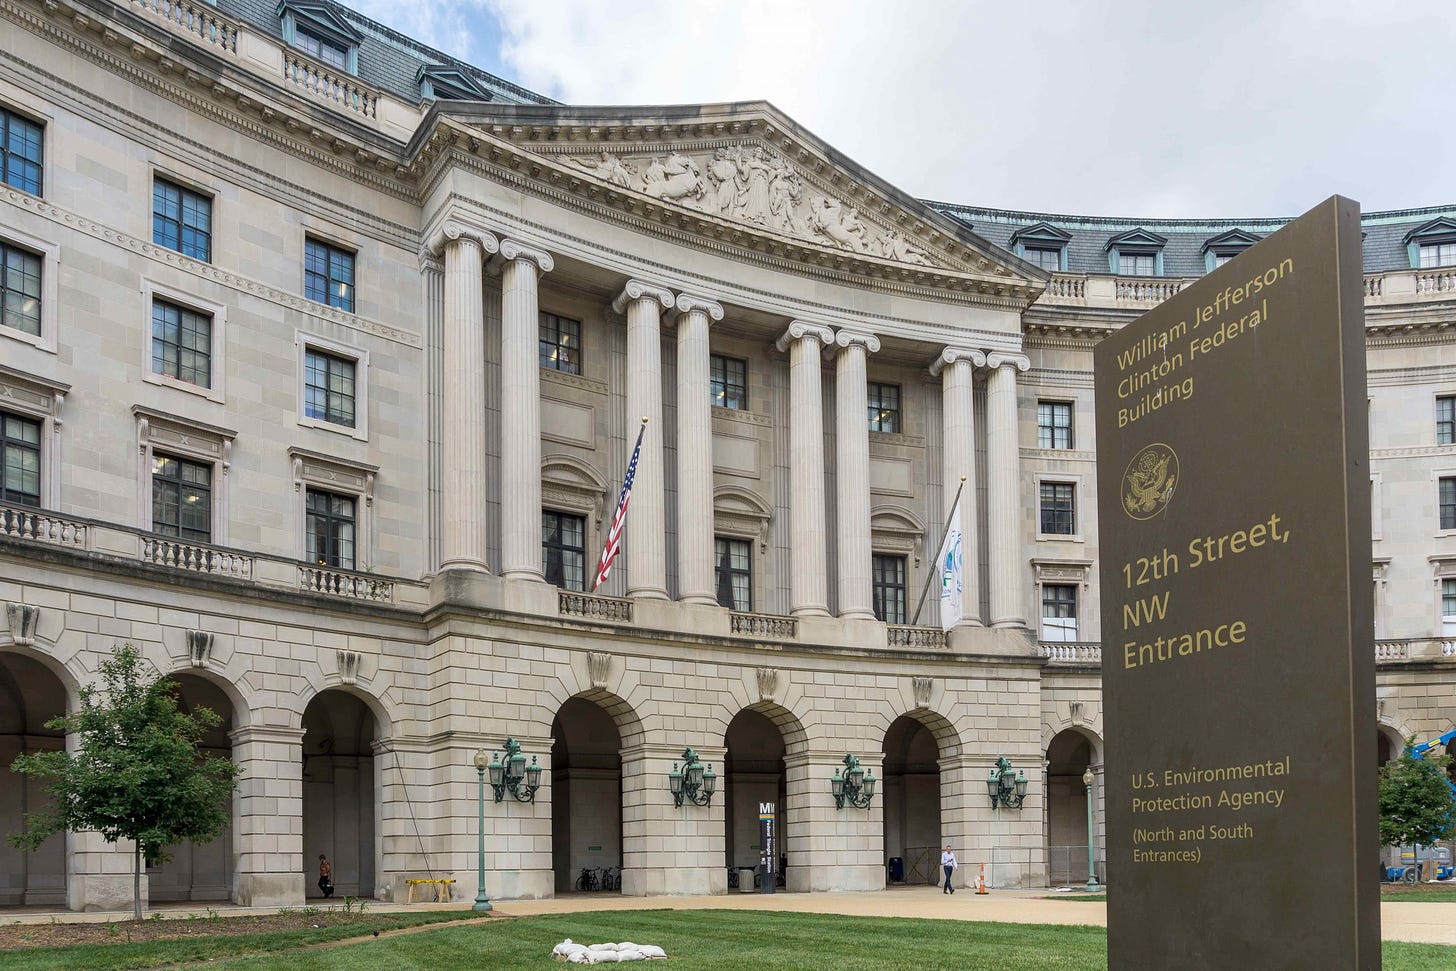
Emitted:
<point x="753" y="773"/>
<point x="912" y="801"/>
<point x="340" y="809"/>
<point x="1069" y="755"/>
<point x="30" y="696"/>
<point x="586" y="797"/>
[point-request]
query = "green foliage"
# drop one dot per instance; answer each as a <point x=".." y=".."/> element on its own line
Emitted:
<point x="1415" y="802"/>
<point x="136" y="772"/>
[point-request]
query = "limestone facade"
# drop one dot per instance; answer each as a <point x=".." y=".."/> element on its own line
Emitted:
<point x="367" y="602"/>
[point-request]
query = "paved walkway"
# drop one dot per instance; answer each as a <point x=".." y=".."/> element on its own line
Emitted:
<point x="1433" y="923"/>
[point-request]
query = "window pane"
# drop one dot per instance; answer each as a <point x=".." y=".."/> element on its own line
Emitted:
<point x="20" y="285"/>
<point x="1053" y="424"/>
<point x="329" y="539"/>
<point x="1058" y="612"/>
<point x="563" y="550"/>
<point x="328" y="275"/>
<point x="883" y="404"/>
<point x="182" y="499"/>
<point x="1448" y="503"/>
<point x="20" y="152"/>
<point x="1136" y="264"/>
<point x="1048" y="259"/>
<point x="181" y="343"/>
<point x="1446" y="421"/>
<point x="328" y="386"/>
<point x="19" y="460"/>
<point x="728" y="382"/>
<point x="888" y="577"/>
<point x="1058" y="508"/>
<point x="559" y="344"/>
<point x="734" y="568"/>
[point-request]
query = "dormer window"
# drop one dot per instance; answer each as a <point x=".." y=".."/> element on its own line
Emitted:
<point x="440" y="83"/>
<point x="1136" y="253"/>
<point x="1224" y="247"/>
<point x="319" y="31"/>
<point x="1042" y="245"/>
<point x="1432" y="244"/>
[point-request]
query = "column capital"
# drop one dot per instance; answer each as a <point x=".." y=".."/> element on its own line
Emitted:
<point x="639" y="290"/>
<point x="799" y="329"/>
<point x="951" y="355"/>
<point x="513" y="250"/>
<point x="847" y="338"/>
<point x="452" y="229"/>
<point x="999" y="359"/>
<point x="688" y="302"/>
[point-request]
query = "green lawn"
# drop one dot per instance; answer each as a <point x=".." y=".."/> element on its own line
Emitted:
<point x="1441" y="895"/>
<point x="719" y="940"/>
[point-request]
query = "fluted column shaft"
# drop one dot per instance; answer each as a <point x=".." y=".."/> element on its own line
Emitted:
<point x="694" y="450"/>
<point x="1003" y="488"/>
<point x="809" y="586"/>
<point x="646" y="530"/>
<point x="521" y="410"/>
<point x="463" y="545"/>
<point x="852" y="474"/>
<point x="956" y="367"/>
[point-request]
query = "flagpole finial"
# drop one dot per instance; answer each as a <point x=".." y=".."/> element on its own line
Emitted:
<point x="644" y="419"/>
<point x="963" y="478"/>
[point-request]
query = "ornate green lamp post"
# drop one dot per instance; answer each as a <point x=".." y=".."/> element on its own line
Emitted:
<point x="1088" y="780"/>
<point x="482" y="902"/>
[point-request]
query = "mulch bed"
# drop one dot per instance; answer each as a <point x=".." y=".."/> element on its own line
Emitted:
<point x="182" y="926"/>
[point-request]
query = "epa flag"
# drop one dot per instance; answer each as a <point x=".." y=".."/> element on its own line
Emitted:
<point x="613" y="545"/>
<point x="952" y="570"/>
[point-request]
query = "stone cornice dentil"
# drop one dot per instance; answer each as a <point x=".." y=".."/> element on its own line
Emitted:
<point x="800" y="329"/>
<point x="640" y="290"/>
<point x="998" y="359"/>
<point x="513" y="250"/>
<point x="951" y="355"/>
<point x="689" y="302"/>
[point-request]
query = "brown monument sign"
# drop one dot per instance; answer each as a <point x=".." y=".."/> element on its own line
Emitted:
<point x="1238" y="653"/>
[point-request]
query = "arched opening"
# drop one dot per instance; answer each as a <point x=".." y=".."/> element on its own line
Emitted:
<point x="1068" y="757"/>
<point x="199" y="871"/>
<point x="30" y="696"/>
<point x="586" y="798"/>
<point x="753" y="774"/>
<point x="912" y="803"/>
<point x="339" y="812"/>
<point x="1388" y="745"/>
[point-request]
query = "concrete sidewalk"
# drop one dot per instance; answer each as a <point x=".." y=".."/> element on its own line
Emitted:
<point x="1433" y="923"/>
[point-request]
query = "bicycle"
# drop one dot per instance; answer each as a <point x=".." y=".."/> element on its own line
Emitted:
<point x="588" y="879"/>
<point x="612" y="879"/>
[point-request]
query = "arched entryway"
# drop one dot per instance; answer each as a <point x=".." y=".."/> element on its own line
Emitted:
<point x="1388" y="745"/>
<point x="30" y="696"/>
<point x="340" y="813"/>
<point x="199" y="871"/>
<point x="1069" y="755"/>
<point x="753" y="774"/>
<point x="912" y="802"/>
<point x="586" y="797"/>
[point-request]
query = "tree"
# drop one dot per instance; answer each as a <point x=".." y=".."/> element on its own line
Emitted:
<point x="1416" y="804"/>
<point x="136" y="772"/>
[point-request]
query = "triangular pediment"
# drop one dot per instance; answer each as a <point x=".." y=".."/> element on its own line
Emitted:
<point x="748" y="176"/>
<point x="323" y="18"/>
<point x="1137" y="237"/>
<point x="1041" y="233"/>
<point x="448" y="83"/>
<point x="1439" y="227"/>
<point x="1234" y="239"/>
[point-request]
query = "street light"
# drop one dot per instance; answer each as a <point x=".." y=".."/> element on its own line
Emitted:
<point x="482" y="902"/>
<point x="1006" y="787"/>
<point x="854" y="787"/>
<point x="509" y="774"/>
<point x="693" y="781"/>
<point x="1088" y="779"/>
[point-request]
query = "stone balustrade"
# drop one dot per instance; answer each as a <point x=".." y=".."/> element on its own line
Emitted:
<point x="40" y="526"/>
<point x="197" y="19"/>
<point x="932" y="638"/>
<point x="342" y="583"/>
<point x="1099" y="290"/>
<point x="588" y="607"/>
<point x="1392" y="650"/>
<point x="1072" y="652"/>
<point x="330" y="85"/>
<point x="763" y="625"/>
<point x="196" y="559"/>
<point x="1149" y="290"/>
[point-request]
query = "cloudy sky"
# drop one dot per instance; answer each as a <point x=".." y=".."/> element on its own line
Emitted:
<point x="1215" y="107"/>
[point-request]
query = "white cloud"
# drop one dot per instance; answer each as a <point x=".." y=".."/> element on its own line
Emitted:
<point x="460" y="28"/>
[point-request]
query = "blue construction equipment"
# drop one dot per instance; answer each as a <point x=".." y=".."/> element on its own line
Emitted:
<point x="1407" y="869"/>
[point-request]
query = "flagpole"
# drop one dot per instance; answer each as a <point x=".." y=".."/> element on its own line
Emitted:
<point x="600" y="577"/>
<point x="932" y="574"/>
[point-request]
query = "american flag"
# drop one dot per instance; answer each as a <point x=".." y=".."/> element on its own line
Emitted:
<point x="613" y="545"/>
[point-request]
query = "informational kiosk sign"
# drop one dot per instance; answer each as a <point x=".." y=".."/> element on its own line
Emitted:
<point x="1238" y="663"/>
<point x="768" y="853"/>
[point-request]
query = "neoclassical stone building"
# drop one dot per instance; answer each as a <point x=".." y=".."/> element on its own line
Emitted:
<point x="321" y="361"/>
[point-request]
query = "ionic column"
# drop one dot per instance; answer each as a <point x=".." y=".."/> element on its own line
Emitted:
<point x="955" y="366"/>
<point x="694" y="450"/>
<point x="808" y="584"/>
<point x="647" y="523"/>
<point x="852" y="473"/>
<point x="463" y="493"/>
<point x="521" y="410"/>
<point x="1003" y="490"/>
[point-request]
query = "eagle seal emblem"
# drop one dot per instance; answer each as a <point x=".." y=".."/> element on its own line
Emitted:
<point x="1148" y="483"/>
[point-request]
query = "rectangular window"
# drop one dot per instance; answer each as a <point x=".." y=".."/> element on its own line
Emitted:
<point x="1446" y="420"/>
<point x="181" y="499"/>
<point x="20" y="152"/>
<point x="560" y="344"/>
<point x="884" y="407"/>
<point x="328" y="386"/>
<point x="1053" y="424"/>
<point x="20" y="285"/>
<point x="728" y="382"/>
<point x="330" y="529"/>
<point x="1058" y="612"/>
<point x="328" y="275"/>
<point x="1137" y="264"/>
<point x="1448" y="503"/>
<point x="181" y="343"/>
<point x="323" y="50"/>
<point x="563" y="550"/>
<point x="735" y="572"/>
<point x="1437" y="254"/>
<point x="182" y="220"/>
<point x="1219" y="259"/>
<point x="888" y="575"/>
<point x="19" y="460"/>
<point x="1048" y="259"/>
<point x="1448" y="608"/>
<point x="1058" y="509"/>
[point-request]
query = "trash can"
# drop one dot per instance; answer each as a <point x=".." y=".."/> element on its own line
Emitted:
<point x="897" y="869"/>
<point x="745" y="879"/>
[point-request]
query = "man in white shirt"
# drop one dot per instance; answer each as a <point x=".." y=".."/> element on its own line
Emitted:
<point x="948" y="864"/>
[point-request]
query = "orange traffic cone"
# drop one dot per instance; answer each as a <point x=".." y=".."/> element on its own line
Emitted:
<point x="981" y="880"/>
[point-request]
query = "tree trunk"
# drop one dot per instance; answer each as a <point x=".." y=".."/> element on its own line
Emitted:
<point x="136" y="883"/>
